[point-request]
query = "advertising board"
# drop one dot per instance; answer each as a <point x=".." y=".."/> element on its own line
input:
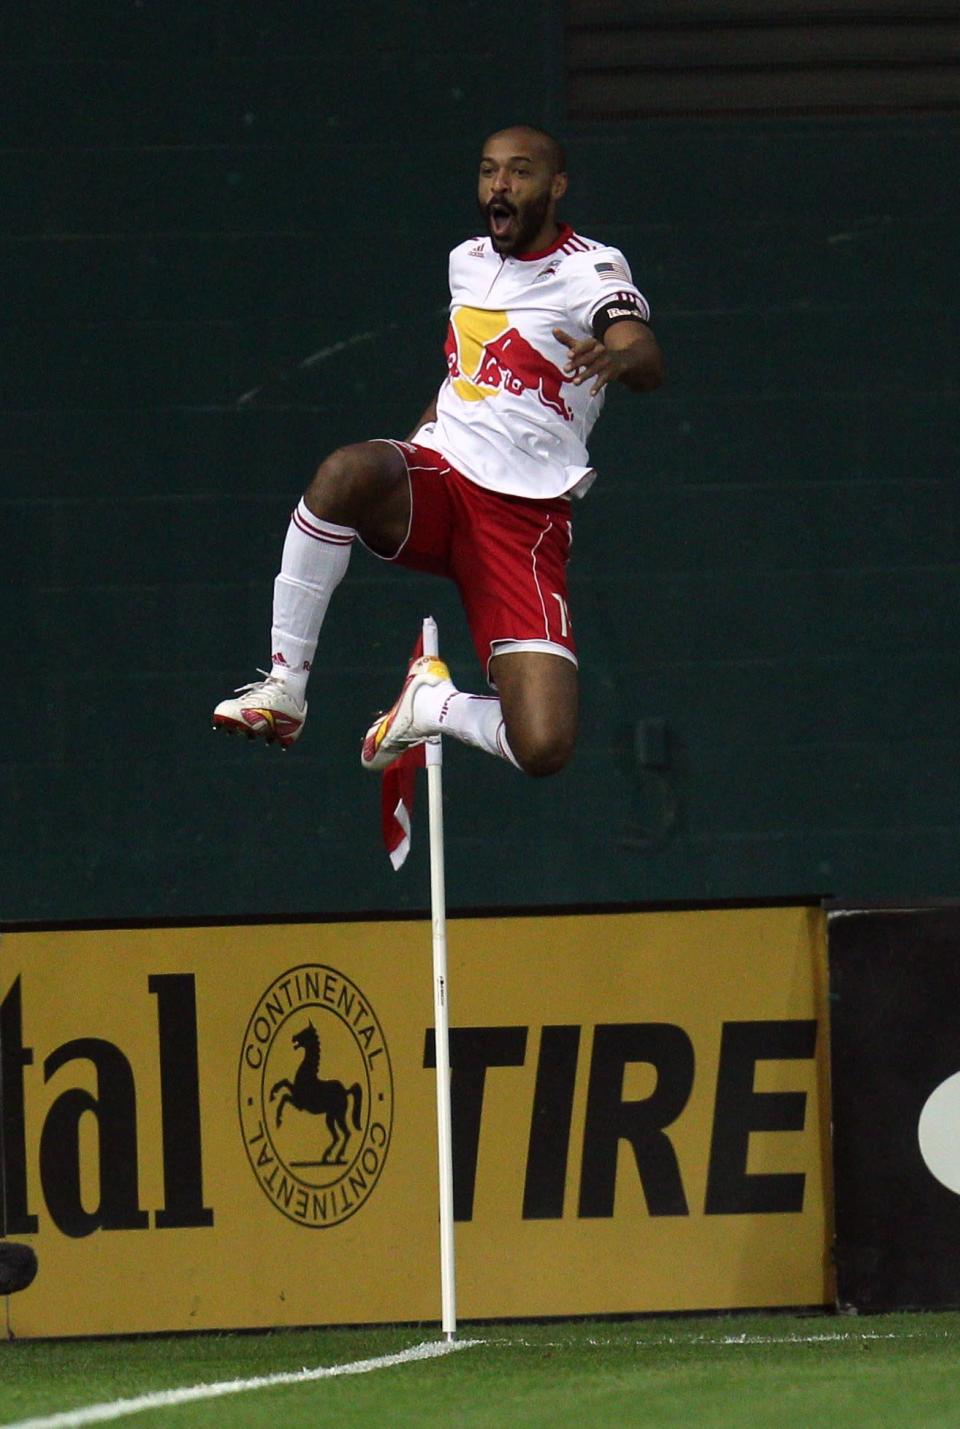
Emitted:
<point x="231" y="1126"/>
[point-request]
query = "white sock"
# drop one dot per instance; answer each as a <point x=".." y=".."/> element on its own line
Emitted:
<point x="476" y="720"/>
<point x="315" y="558"/>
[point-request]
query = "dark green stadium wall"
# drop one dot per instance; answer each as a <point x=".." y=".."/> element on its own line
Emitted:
<point x="196" y="198"/>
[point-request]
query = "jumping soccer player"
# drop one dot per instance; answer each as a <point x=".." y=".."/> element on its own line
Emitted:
<point x="541" y="320"/>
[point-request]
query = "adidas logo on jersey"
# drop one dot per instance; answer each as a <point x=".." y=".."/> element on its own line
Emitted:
<point x="477" y="250"/>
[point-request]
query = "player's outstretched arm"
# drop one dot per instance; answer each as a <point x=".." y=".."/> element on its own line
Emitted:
<point x="629" y="354"/>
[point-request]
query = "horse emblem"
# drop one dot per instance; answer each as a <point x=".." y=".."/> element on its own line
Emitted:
<point x="315" y="1177"/>
<point x="311" y="1093"/>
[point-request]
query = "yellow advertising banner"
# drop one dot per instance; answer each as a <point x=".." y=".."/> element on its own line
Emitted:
<point x="234" y="1126"/>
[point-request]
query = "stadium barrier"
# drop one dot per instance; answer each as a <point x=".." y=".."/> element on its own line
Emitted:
<point x="895" y="1030"/>
<point x="234" y="1125"/>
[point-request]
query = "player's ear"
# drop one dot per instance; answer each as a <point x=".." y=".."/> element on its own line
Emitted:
<point x="559" y="186"/>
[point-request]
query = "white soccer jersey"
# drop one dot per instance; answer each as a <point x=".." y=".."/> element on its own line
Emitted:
<point x="508" y="417"/>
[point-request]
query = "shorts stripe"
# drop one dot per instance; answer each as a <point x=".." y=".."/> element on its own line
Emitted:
<point x="536" y="578"/>
<point x="404" y="448"/>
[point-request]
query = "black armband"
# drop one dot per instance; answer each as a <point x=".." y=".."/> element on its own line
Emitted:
<point x="614" y="310"/>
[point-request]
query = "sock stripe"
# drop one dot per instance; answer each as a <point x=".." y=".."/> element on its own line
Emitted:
<point x="332" y="536"/>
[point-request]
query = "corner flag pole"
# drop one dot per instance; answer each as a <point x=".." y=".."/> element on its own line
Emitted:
<point x="438" y="907"/>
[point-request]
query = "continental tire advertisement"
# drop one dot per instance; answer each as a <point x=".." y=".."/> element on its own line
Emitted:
<point x="219" y="1127"/>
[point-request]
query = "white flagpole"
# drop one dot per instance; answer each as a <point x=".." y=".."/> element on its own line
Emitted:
<point x="438" y="906"/>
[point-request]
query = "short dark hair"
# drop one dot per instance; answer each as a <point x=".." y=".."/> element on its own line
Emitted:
<point x="555" y="150"/>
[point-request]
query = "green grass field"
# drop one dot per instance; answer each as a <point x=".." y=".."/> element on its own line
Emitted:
<point x="706" y="1371"/>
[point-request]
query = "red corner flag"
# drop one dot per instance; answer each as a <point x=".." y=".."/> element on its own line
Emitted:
<point x="396" y="802"/>
<point x="396" y="793"/>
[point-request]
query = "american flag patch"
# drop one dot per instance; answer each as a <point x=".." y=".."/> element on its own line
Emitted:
<point x="609" y="269"/>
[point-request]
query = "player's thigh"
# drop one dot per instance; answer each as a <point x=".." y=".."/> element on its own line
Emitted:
<point x="367" y="486"/>
<point x="424" y="544"/>
<point x="540" y="698"/>
<point x="510" y="564"/>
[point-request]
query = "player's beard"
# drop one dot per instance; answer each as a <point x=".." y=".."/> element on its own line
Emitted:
<point x="529" y="221"/>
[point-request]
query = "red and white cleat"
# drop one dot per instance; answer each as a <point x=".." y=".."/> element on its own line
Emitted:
<point x="397" y="731"/>
<point x="263" y="710"/>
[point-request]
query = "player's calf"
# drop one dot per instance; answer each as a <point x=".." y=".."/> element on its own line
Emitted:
<point x="539" y="698"/>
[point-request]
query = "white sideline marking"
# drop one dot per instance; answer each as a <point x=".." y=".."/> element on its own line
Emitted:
<point x="698" y="1341"/>
<point x="164" y="1398"/>
<point x="747" y="1339"/>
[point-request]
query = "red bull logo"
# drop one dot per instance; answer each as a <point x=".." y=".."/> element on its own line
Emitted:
<point x="513" y="363"/>
<point x="485" y="356"/>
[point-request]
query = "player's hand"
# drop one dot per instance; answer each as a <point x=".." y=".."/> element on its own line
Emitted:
<point x="589" y="359"/>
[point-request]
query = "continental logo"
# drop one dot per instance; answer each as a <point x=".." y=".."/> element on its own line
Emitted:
<point x="315" y="1095"/>
<point x="316" y="1112"/>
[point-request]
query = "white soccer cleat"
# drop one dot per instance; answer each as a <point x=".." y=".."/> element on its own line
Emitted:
<point x="396" y="731"/>
<point x="264" y="709"/>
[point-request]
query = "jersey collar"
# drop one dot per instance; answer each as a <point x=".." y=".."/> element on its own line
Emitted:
<point x="565" y="232"/>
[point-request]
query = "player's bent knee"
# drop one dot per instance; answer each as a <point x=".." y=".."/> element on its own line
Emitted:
<point x="343" y="471"/>
<point x="353" y="479"/>
<point x="543" y="756"/>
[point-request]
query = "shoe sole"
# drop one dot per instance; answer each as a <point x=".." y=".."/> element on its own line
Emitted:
<point x="268" y="735"/>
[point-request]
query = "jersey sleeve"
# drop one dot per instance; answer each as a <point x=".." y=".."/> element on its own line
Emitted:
<point x="454" y="268"/>
<point x="601" y="279"/>
<point x="462" y="260"/>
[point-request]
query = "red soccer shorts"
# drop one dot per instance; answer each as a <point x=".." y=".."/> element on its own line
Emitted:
<point x="507" y="554"/>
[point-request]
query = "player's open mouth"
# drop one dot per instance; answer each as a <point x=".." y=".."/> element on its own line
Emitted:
<point x="501" y="219"/>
